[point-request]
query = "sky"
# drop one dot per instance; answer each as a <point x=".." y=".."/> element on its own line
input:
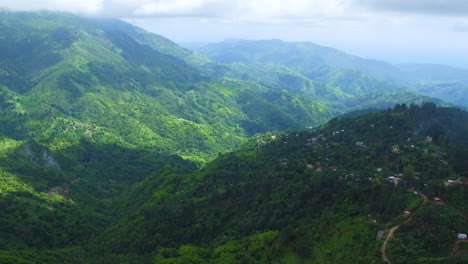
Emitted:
<point x="398" y="31"/>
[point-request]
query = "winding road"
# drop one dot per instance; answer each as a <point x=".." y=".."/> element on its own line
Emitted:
<point x="392" y="230"/>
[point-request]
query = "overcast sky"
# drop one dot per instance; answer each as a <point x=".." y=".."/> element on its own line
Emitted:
<point x="426" y="31"/>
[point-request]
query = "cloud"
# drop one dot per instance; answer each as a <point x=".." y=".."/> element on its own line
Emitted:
<point x="76" y="6"/>
<point x="423" y="7"/>
<point x="461" y="28"/>
<point x="243" y="10"/>
<point x="227" y="9"/>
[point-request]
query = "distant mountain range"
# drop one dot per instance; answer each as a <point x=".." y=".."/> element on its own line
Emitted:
<point x="326" y="65"/>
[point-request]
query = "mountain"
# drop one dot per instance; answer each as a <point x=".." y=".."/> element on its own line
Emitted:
<point x="336" y="68"/>
<point x="58" y="194"/>
<point x="110" y="82"/>
<point x="433" y="72"/>
<point x="314" y="196"/>
<point x="117" y="146"/>
<point x="317" y="196"/>
<point x="300" y="56"/>
<point x="105" y="80"/>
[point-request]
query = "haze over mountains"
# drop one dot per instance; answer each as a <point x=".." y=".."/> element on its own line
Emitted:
<point x="119" y="146"/>
<point x="322" y="64"/>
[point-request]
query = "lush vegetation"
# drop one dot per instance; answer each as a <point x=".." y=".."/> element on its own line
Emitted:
<point x="303" y="197"/>
<point x="77" y="78"/>
<point x="312" y="197"/>
<point x="115" y="148"/>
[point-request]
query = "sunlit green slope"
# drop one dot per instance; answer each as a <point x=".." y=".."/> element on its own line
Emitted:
<point x="66" y="76"/>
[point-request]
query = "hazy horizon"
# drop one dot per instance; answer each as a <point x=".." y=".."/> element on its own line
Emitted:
<point x="396" y="31"/>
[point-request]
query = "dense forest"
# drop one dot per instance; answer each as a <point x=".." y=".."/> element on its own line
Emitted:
<point x="316" y="196"/>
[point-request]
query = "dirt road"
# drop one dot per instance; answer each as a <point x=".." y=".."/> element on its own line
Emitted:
<point x="392" y="230"/>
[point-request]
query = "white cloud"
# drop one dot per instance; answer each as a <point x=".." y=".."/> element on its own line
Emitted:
<point x="431" y="7"/>
<point x="292" y="8"/>
<point x="78" y="6"/>
<point x="243" y="9"/>
<point x="227" y="9"/>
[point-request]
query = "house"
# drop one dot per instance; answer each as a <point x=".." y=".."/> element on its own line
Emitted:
<point x="429" y="139"/>
<point x="437" y="199"/>
<point x="406" y="213"/>
<point x="451" y="182"/>
<point x="461" y="236"/>
<point x="310" y="166"/>
<point x="319" y="169"/>
<point x="396" y="150"/>
<point x="360" y="144"/>
<point x="379" y="169"/>
<point x="394" y="180"/>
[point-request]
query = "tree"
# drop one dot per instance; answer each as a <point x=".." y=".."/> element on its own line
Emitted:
<point x="408" y="174"/>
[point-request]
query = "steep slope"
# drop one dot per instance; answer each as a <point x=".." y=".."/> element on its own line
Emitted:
<point x="73" y="77"/>
<point x="58" y="194"/>
<point x="309" y="197"/>
<point x="156" y="42"/>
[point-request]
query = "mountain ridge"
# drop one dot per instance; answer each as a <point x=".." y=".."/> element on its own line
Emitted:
<point x="311" y="60"/>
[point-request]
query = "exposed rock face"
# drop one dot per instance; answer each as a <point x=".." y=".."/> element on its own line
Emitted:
<point x="49" y="161"/>
<point x="27" y="152"/>
<point x="46" y="159"/>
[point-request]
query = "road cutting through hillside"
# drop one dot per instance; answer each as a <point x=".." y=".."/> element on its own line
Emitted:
<point x="392" y="230"/>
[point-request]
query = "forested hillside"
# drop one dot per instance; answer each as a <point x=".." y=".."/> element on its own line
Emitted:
<point x="119" y="146"/>
<point x="71" y="77"/>
<point x="311" y="197"/>
<point x="319" y="196"/>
